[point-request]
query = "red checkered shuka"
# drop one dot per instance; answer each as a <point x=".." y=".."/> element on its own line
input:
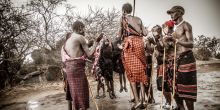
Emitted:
<point x="134" y="59"/>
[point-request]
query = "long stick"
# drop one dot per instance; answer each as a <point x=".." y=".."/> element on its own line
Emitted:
<point x="134" y="8"/>
<point x="96" y="105"/>
<point x="164" y="56"/>
<point x="174" y="75"/>
<point x="152" y="66"/>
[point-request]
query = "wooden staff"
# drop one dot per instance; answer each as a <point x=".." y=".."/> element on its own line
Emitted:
<point x="152" y="66"/>
<point x="174" y="75"/>
<point x="96" y="105"/>
<point x="134" y="8"/>
<point x="164" y="57"/>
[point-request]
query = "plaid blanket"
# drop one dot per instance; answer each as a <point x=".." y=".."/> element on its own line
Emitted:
<point x="78" y="83"/>
<point x="186" y="76"/>
<point x="134" y="59"/>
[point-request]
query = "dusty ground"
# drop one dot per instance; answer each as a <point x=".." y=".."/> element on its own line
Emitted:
<point x="50" y="96"/>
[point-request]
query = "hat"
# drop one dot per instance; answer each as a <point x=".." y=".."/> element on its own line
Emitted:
<point x="175" y="9"/>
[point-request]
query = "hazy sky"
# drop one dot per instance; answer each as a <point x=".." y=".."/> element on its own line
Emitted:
<point x="203" y="15"/>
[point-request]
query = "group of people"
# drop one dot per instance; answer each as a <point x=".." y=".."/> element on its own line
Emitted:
<point x="170" y="44"/>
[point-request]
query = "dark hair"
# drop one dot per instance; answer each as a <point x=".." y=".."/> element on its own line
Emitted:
<point x="158" y="27"/>
<point x="77" y="25"/>
<point x="127" y="8"/>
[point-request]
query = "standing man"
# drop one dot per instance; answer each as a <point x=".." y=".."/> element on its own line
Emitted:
<point x="134" y="61"/>
<point x="66" y="86"/>
<point x="75" y="50"/>
<point x="186" y="79"/>
<point x="149" y="50"/>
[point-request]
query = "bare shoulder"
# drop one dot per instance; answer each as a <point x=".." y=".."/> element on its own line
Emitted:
<point x="81" y="39"/>
<point x="138" y="19"/>
<point x="187" y="26"/>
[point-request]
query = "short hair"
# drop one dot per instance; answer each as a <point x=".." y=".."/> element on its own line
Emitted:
<point x="77" y="25"/>
<point x="127" y="8"/>
<point x="158" y="27"/>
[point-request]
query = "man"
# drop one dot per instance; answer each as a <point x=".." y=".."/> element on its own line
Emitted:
<point x="106" y="66"/>
<point x="159" y="45"/>
<point x="149" y="49"/>
<point x="134" y="61"/>
<point x="169" y="61"/>
<point x="75" y="50"/>
<point x="186" y="79"/>
<point x="66" y="86"/>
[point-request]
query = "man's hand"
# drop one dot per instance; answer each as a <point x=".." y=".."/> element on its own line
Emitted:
<point x="90" y="43"/>
<point x="167" y="38"/>
<point x="99" y="37"/>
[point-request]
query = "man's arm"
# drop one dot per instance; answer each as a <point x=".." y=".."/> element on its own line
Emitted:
<point x="188" y="32"/>
<point x="120" y="28"/>
<point x="148" y="45"/>
<point x="88" y="52"/>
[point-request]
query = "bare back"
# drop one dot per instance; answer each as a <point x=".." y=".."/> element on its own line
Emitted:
<point x="136" y="23"/>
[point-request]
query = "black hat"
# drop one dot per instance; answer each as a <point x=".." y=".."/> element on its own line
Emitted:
<point x="176" y="8"/>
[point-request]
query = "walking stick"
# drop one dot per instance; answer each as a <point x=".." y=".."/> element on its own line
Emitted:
<point x="96" y="105"/>
<point x="134" y="8"/>
<point x="164" y="56"/>
<point x="174" y="75"/>
<point x="152" y="66"/>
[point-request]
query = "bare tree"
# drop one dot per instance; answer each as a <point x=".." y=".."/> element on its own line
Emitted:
<point x="14" y="25"/>
<point x="48" y="24"/>
<point x="97" y="20"/>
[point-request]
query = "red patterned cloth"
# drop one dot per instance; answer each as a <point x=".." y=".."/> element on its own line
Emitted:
<point x="134" y="59"/>
<point x="78" y="83"/>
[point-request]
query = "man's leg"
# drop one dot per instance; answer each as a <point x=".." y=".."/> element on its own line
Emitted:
<point x="135" y="92"/>
<point x="167" y="96"/>
<point x="179" y="103"/>
<point x="142" y="91"/>
<point x="125" y="86"/>
<point x="69" y="105"/>
<point x="189" y="104"/>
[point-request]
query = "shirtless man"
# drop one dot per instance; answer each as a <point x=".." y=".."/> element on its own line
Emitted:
<point x="159" y="45"/>
<point x="149" y="50"/>
<point x="75" y="50"/>
<point x="186" y="79"/>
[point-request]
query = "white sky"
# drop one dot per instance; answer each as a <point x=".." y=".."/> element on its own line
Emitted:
<point x="203" y="15"/>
